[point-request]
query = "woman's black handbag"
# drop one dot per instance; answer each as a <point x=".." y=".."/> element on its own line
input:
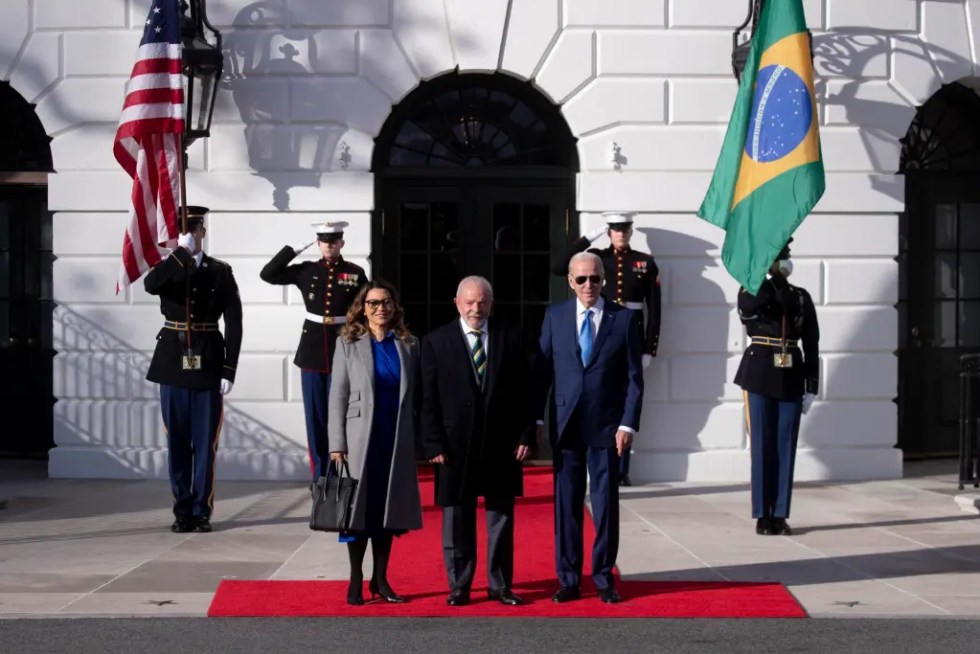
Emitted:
<point x="333" y="500"/>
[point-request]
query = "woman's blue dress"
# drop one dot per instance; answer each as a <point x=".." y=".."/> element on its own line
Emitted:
<point x="381" y="448"/>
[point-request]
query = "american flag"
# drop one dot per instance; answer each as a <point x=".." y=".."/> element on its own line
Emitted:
<point x="146" y="143"/>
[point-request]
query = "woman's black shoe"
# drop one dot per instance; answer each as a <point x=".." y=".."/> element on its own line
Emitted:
<point x="763" y="527"/>
<point x="387" y="593"/>
<point x="355" y="592"/>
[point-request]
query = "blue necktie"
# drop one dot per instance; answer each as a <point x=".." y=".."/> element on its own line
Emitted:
<point x="585" y="337"/>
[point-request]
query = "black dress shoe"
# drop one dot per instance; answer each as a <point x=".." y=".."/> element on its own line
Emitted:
<point x="763" y="527"/>
<point x="780" y="527"/>
<point x="183" y="525"/>
<point x="203" y="525"/>
<point x="504" y="596"/>
<point x="624" y="480"/>
<point x="609" y="595"/>
<point x="566" y="594"/>
<point x="458" y="597"/>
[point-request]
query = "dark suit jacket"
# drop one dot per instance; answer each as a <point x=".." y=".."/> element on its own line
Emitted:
<point x="477" y="429"/>
<point x="213" y="295"/>
<point x="607" y="391"/>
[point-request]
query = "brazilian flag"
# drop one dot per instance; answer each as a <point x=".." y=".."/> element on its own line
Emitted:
<point x="770" y="172"/>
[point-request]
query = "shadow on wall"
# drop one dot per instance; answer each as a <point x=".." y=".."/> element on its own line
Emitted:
<point x="849" y="58"/>
<point x="92" y="362"/>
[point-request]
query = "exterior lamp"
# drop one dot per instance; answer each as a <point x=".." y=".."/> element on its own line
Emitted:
<point x="202" y="63"/>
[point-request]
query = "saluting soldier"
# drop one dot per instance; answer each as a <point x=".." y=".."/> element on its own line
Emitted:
<point x="632" y="280"/>
<point x="328" y="287"/>
<point x="779" y="378"/>
<point x="194" y="365"/>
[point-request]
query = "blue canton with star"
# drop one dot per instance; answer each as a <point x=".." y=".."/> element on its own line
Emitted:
<point x="162" y="23"/>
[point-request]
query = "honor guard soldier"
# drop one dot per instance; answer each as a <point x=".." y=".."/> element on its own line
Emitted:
<point x="779" y="379"/>
<point x="194" y="365"/>
<point x="632" y="279"/>
<point x="328" y="287"/>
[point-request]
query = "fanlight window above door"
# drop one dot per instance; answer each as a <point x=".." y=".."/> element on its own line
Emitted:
<point x="945" y="133"/>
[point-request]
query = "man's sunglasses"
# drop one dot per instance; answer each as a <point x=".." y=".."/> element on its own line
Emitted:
<point x="581" y="279"/>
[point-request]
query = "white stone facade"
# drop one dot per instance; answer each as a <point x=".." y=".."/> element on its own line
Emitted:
<point x="653" y="76"/>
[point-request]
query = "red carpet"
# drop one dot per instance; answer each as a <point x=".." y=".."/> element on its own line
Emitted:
<point x="417" y="572"/>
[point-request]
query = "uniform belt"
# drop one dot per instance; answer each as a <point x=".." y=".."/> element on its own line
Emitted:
<point x="635" y="306"/>
<point x="326" y="320"/>
<point x="774" y="342"/>
<point x="194" y="326"/>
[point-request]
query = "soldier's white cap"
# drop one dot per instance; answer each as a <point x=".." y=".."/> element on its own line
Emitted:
<point x="618" y="217"/>
<point x="330" y="231"/>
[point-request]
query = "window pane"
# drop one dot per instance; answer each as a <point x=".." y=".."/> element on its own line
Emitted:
<point x="945" y="219"/>
<point x="415" y="277"/>
<point x="969" y="324"/>
<point x="903" y="324"/>
<point x="944" y="329"/>
<point x="416" y="317"/>
<point x="536" y="227"/>
<point x="413" y="223"/>
<point x="445" y="277"/>
<point x="533" y="317"/>
<point x="537" y="277"/>
<point x="507" y="277"/>
<point x="506" y="226"/>
<point x="508" y="312"/>
<point x="945" y="280"/>
<point x="442" y="313"/>
<point x="969" y="276"/>
<point x="445" y="219"/>
<point x="970" y="226"/>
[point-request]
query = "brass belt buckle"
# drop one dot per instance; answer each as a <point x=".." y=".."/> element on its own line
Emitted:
<point x="783" y="359"/>
<point x="191" y="361"/>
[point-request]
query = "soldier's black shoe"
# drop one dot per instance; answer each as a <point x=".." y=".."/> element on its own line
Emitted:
<point x="182" y="525"/>
<point x="505" y="596"/>
<point x="780" y="527"/>
<point x="204" y="524"/>
<point x="566" y="594"/>
<point x="609" y="595"/>
<point x="763" y="527"/>
<point x="458" y="597"/>
<point x="624" y="480"/>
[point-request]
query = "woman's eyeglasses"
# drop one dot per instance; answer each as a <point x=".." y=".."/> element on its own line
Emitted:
<point x="581" y="279"/>
<point x="374" y="304"/>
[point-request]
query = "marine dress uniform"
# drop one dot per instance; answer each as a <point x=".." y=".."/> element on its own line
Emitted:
<point x="632" y="280"/>
<point x="328" y="287"/>
<point x="194" y="365"/>
<point x="779" y="374"/>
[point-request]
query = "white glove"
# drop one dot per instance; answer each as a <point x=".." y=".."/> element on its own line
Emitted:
<point x="186" y="241"/>
<point x="299" y="248"/>
<point x="647" y="360"/>
<point x="226" y="386"/>
<point x="807" y="401"/>
<point x="596" y="233"/>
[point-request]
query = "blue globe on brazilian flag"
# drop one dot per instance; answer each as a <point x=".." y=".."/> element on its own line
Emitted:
<point x="770" y="172"/>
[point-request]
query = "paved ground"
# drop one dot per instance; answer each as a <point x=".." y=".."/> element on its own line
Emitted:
<point x="102" y="548"/>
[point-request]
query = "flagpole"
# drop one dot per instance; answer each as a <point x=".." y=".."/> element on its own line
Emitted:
<point x="182" y="175"/>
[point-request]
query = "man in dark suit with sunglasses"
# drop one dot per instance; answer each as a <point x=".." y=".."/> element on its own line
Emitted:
<point x="590" y="354"/>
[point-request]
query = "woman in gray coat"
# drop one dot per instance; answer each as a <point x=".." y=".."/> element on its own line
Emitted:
<point x="372" y="424"/>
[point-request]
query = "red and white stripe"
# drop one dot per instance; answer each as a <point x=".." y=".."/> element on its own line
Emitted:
<point x="146" y="146"/>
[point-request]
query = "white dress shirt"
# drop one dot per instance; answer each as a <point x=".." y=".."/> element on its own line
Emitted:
<point x="471" y="339"/>
<point x="197" y="258"/>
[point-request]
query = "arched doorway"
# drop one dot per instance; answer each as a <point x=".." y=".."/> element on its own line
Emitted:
<point x="475" y="176"/>
<point x="26" y="302"/>
<point x="939" y="268"/>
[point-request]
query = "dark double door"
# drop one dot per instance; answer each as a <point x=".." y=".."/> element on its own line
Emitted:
<point x="432" y="236"/>
<point x="939" y="308"/>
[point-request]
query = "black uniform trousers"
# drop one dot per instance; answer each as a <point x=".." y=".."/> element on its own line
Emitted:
<point x="193" y="421"/>
<point x="572" y="458"/>
<point x="774" y="427"/>
<point x="459" y="542"/>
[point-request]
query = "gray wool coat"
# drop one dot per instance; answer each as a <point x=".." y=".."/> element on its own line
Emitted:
<point x="351" y="412"/>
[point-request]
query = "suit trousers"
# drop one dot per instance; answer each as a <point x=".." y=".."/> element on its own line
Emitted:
<point x="316" y="391"/>
<point x="459" y="542"/>
<point x="571" y="460"/>
<point x="774" y="427"/>
<point x="193" y="422"/>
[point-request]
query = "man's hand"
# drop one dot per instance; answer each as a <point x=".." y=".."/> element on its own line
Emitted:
<point x="299" y="248"/>
<point x="523" y="451"/>
<point x="226" y="386"/>
<point x="440" y="459"/>
<point x="338" y="456"/>
<point x="623" y="441"/>
<point x="596" y="233"/>
<point x="808" y="401"/>
<point x="647" y="360"/>
<point x="186" y="241"/>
